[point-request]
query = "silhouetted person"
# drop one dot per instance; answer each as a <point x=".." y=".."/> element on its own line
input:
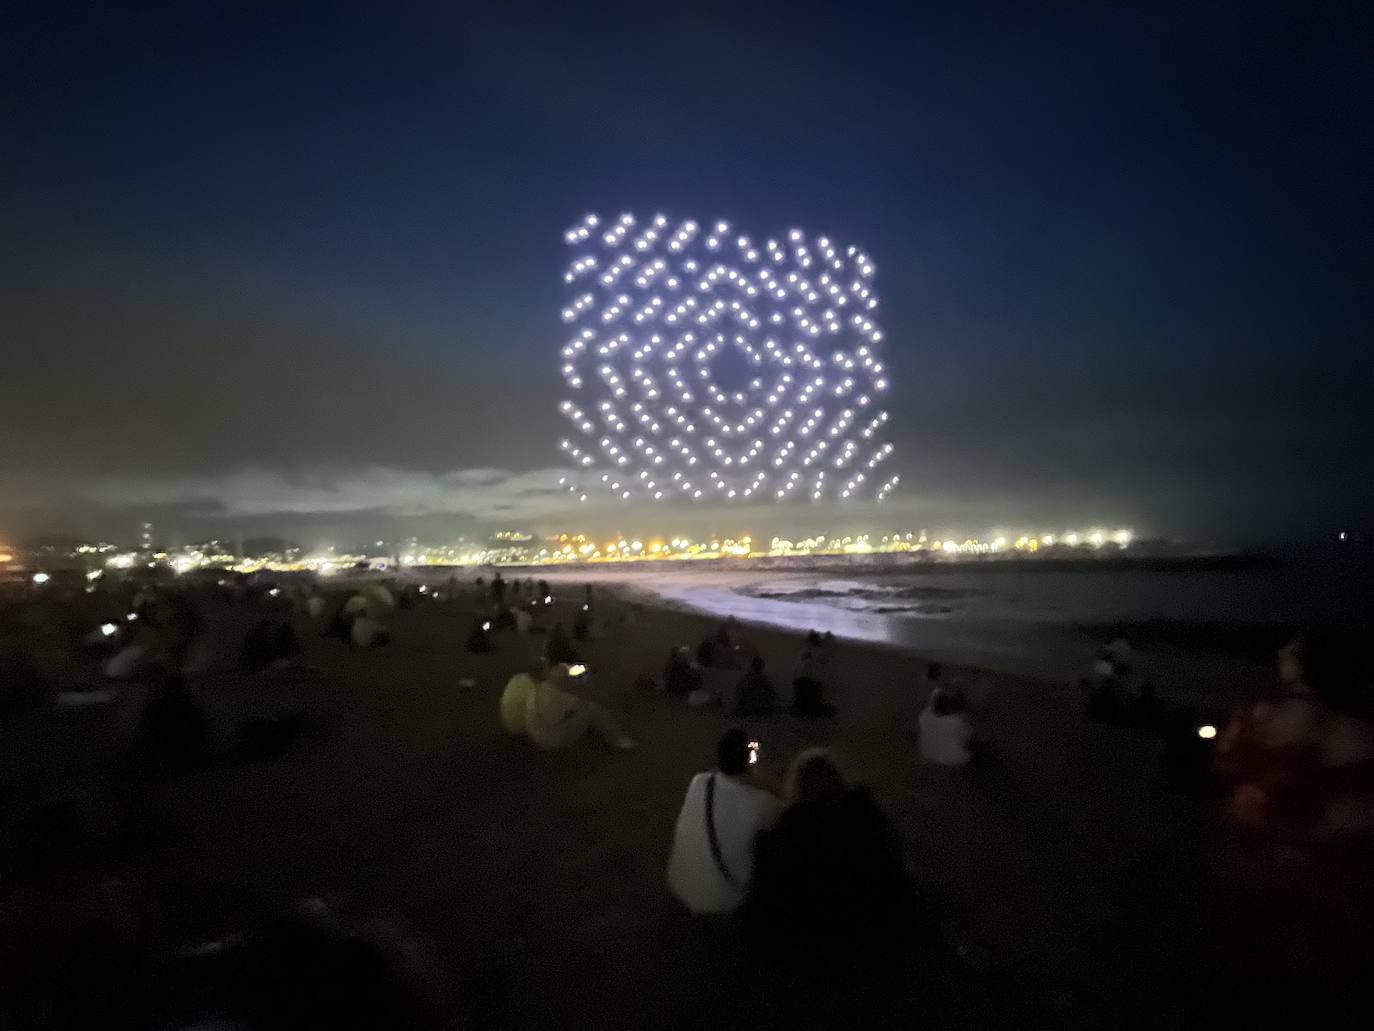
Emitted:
<point x="559" y="649"/>
<point x="498" y="591"/>
<point x="173" y="733"/>
<point x="945" y="733"/>
<point x="809" y="684"/>
<point x="754" y="693"/>
<point x="829" y="884"/>
<point x="682" y="676"/>
<point x="479" y="640"/>
<point x="582" y="626"/>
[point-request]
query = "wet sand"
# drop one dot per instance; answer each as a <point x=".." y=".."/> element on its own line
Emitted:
<point x="1068" y="887"/>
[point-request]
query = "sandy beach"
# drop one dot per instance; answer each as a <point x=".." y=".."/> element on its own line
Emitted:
<point x="1070" y="887"/>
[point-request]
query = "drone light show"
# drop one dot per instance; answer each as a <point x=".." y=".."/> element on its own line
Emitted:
<point x="707" y="366"/>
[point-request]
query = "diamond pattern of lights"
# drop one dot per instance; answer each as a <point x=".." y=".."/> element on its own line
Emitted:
<point x="655" y="309"/>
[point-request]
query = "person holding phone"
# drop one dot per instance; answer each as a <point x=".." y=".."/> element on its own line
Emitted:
<point x="558" y="714"/>
<point x="712" y="859"/>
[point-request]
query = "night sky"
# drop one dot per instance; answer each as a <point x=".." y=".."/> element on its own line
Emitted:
<point x="301" y="271"/>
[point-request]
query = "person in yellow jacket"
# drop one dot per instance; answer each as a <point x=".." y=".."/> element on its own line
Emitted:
<point x="557" y="714"/>
<point x="514" y="700"/>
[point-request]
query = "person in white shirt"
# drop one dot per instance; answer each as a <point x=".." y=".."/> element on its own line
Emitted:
<point x="713" y="845"/>
<point x="944" y="729"/>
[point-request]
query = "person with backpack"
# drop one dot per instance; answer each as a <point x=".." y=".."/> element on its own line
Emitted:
<point x="712" y="860"/>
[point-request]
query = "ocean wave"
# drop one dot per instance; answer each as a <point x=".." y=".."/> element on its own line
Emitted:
<point x="900" y="599"/>
<point x="844" y="591"/>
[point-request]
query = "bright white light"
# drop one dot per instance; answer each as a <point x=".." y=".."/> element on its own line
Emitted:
<point x="108" y="629"/>
<point x="628" y="341"/>
<point x="41" y="578"/>
<point x="1207" y="731"/>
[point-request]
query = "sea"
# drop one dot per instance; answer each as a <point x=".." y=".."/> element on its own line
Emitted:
<point x="1200" y="624"/>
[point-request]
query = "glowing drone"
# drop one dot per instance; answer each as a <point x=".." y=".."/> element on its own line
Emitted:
<point x="705" y="366"/>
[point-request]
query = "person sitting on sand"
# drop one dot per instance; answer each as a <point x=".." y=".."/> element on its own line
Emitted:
<point x="809" y="685"/>
<point x="828" y="878"/>
<point x="126" y="663"/>
<point x="366" y="632"/>
<point x="515" y="701"/>
<point x="944" y="729"/>
<point x="754" y="694"/>
<point x="559" y="649"/>
<point x="557" y="715"/>
<point x="682" y="676"/>
<point x="1297" y="770"/>
<point x="524" y="622"/>
<point x="173" y="732"/>
<point x="267" y="642"/>
<point x="479" y="637"/>
<point x="712" y="861"/>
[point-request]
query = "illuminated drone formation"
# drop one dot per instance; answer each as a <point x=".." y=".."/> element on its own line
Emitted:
<point x="703" y="365"/>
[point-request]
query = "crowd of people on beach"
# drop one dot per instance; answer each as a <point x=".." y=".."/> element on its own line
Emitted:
<point x="807" y="861"/>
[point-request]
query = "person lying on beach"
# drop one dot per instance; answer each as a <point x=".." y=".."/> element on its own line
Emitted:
<point x="828" y="877"/>
<point x="944" y="731"/>
<point x="754" y="693"/>
<point x="557" y="715"/>
<point x="712" y="859"/>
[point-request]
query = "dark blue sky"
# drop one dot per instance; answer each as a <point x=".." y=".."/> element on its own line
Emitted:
<point x="1124" y="256"/>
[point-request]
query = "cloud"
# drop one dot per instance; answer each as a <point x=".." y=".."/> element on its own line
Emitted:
<point x="472" y="493"/>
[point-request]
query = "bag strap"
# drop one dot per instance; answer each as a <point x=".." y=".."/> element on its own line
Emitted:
<point x="711" y="829"/>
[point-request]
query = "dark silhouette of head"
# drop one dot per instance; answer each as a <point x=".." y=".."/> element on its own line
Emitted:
<point x="756" y="664"/>
<point x="814" y="777"/>
<point x="732" y="752"/>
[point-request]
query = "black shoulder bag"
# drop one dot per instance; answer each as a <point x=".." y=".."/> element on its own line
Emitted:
<point x="711" y="829"/>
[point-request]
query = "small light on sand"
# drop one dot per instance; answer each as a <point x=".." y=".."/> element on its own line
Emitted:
<point x="108" y="629"/>
<point x="486" y="626"/>
<point x="41" y="578"/>
<point x="548" y="599"/>
<point x="132" y="617"/>
<point x="1207" y="731"/>
<point x="424" y="588"/>
<point x="274" y="591"/>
